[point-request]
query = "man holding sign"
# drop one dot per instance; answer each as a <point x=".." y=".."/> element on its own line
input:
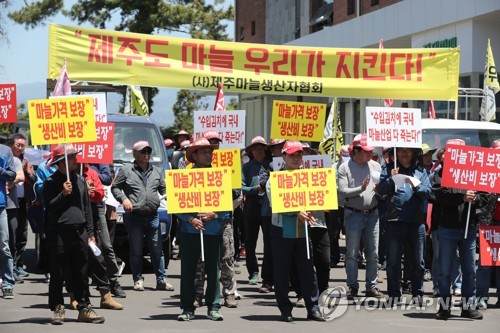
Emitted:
<point x="457" y="230"/>
<point x="208" y="226"/>
<point x="287" y="233"/>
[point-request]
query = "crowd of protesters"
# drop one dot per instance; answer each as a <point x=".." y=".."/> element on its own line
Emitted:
<point x="384" y="226"/>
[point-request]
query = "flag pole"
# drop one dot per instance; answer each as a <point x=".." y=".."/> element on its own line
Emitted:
<point x="202" y="247"/>
<point x="66" y="163"/>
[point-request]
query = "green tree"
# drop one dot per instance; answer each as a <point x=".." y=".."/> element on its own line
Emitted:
<point x="192" y="17"/>
<point x="233" y="104"/>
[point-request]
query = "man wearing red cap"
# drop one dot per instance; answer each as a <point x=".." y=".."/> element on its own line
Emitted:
<point x="137" y="187"/>
<point x="70" y="229"/>
<point x="288" y="245"/>
<point x="360" y="215"/>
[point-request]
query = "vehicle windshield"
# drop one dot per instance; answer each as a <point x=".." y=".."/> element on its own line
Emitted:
<point x="126" y="134"/>
<point x="437" y="137"/>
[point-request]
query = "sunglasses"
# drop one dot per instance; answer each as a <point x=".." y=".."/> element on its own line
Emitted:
<point x="146" y="151"/>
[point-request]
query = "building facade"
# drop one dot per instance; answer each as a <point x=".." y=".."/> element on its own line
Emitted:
<point x="401" y="24"/>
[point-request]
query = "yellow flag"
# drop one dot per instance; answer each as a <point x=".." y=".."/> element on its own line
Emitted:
<point x="332" y="134"/>
<point x="138" y="104"/>
<point x="491" y="87"/>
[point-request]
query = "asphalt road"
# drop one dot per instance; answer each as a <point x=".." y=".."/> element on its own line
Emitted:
<point x="155" y="311"/>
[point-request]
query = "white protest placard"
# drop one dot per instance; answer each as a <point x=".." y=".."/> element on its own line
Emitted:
<point x="100" y="109"/>
<point x="308" y="162"/>
<point x="395" y="127"/>
<point x="229" y="124"/>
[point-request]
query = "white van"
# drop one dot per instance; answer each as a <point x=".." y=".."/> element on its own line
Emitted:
<point x="435" y="132"/>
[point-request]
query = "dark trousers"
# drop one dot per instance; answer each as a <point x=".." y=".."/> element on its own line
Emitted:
<point x="321" y="256"/>
<point x="238" y="231"/>
<point x="191" y="252"/>
<point x="334" y="221"/>
<point x="253" y="222"/>
<point x="21" y="232"/>
<point x="68" y="247"/>
<point x="287" y="251"/>
<point x="267" y="261"/>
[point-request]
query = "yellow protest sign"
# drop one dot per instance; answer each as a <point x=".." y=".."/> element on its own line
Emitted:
<point x="199" y="190"/>
<point x="119" y="57"/>
<point x="298" y="121"/>
<point x="305" y="189"/>
<point x="62" y="120"/>
<point x="229" y="158"/>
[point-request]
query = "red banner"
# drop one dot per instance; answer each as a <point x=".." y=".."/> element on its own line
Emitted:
<point x="8" y="103"/>
<point x="489" y="245"/>
<point x="472" y="168"/>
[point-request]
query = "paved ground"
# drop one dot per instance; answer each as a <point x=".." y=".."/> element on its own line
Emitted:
<point x="153" y="311"/>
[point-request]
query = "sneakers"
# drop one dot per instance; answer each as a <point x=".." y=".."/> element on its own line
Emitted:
<point x="163" y="285"/>
<point x="482" y="303"/>
<point x="230" y="301"/>
<point x="352" y="292"/>
<point x="243" y="252"/>
<point x="254" y="279"/>
<point x="88" y="315"/>
<point x="117" y="290"/>
<point x="427" y="275"/>
<point x="406" y="287"/>
<point x="471" y="314"/>
<point x="8" y="293"/>
<point x="22" y="272"/>
<point x="435" y="292"/>
<point x="198" y="301"/>
<point x="457" y="292"/>
<point x="139" y="285"/>
<point x="185" y="316"/>
<point x="266" y="288"/>
<point x="300" y="303"/>
<point x="17" y="278"/>
<point x="215" y="315"/>
<point x="58" y="315"/>
<point x="374" y="292"/>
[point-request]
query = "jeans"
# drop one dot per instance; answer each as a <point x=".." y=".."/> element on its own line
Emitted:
<point x="399" y="234"/>
<point x="140" y="227"/>
<point x="357" y="226"/>
<point x="456" y="274"/>
<point x="104" y="243"/>
<point x="449" y="241"/>
<point x="6" y="261"/>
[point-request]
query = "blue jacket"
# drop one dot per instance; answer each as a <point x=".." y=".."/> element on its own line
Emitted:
<point x="407" y="203"/>
<point x="6" y="174"/>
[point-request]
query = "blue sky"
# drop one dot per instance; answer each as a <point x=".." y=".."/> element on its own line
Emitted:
<point x="24" y="57"/>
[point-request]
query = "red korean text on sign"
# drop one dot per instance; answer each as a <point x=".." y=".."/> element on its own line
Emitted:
<point x="8" y="103"/>
<point x="100" y="151"/>
<point x="472" y="168"/>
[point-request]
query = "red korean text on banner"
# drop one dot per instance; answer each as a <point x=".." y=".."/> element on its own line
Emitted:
<point x="489" y="245"/>
<point x="472" y="168"/>
<point x="8" y="103"/>
<point x="100" y="151"/>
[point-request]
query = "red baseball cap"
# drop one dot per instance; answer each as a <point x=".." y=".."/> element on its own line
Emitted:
<point x="292" y="146"/>
<point x="360" y="141"/>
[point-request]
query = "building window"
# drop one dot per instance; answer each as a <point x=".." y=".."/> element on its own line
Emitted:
<point x="375" y="2"/>
<point x="350" y="7"/>
<point x="253" y="28"/>
<point x="242" y="36"/>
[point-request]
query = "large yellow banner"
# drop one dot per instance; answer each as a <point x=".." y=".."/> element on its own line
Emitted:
<point x="298" y="121"/>
<point x="307" y="189"/>
<point x="62" y="120"/>
<point x="107" y="56"/>
<point x="199" y="190"/>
